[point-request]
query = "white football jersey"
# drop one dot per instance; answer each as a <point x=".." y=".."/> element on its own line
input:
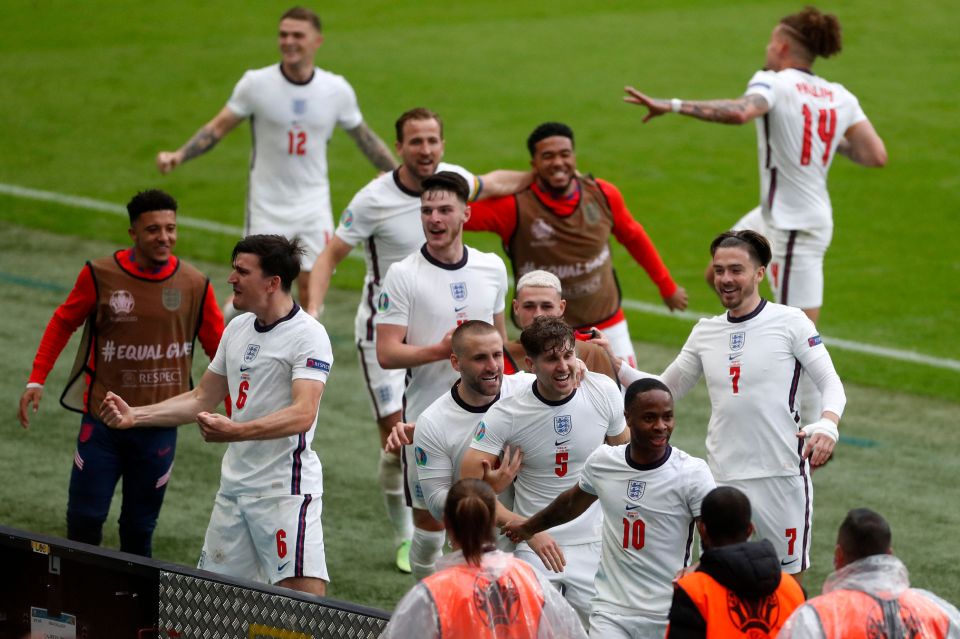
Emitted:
<point x="648" y="517"/>
<point x="260" y="364"/>
<point x="752" y="367"/>
<point x="556" y="438"/>
<point x="430" y="299"/>
<point x="443" y="435"/>
<point x="291" y="125"/>
<point x="796" y="141"/>
<point x="385" y="216"/>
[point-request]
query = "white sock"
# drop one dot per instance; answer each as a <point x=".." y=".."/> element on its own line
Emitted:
<point x="390" y="476"/>
<point x="810" y="400"/>
<point x="425" y="549"/>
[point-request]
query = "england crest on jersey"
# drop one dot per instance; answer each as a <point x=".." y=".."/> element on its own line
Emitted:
<point x="459" y="291"/>
<point x="562" y="424"/>
<point x="737" y="340"/>
<point x="251" y="353"/>
<point x="299" y="106"/>
<point x="635" y="489"/>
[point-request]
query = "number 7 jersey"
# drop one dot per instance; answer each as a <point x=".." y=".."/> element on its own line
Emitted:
<point x="796" y="142"/>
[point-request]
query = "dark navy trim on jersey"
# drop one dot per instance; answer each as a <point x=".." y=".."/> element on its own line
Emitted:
<point x="260" y="328"/>
<point x="748" y="316"/>
<point x="301" y="537"/>
<point x="402" y="187"/>
<point x="689" y="548"/>
<point x="286" y="77"/>
<point x="766" y="139"/>
<point x="126" y="269"/>
<point x="298" y="464"/>
<point x="794" y="386"/>
<point x="456" y="266"/>
<point x="773" y="188"/>
<point x="467" y="407"/>
<point x="808" y="503"/>
<point x="787" y="263"/>
<point x="550" y="402"/>
<point x="653" y="466"/>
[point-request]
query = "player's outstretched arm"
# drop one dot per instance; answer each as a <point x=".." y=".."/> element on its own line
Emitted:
<point x="323" y="269"/>
<point x="296" y="418"/>
<point x="504" y="182"/>
<point x="393" y="352"/>
<point x="373" y="147"/>
<point x="201" y="142"/>
<point x="737" y="111"/>
<point x="176" y="411"/>
<point x="568" y="505"/>
<point x="863" y="145"/>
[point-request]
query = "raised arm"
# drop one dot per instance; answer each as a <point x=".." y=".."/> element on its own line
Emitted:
<point x="863" y="145"/>
<point x="201" y="142"/>
<point x="333" y="253"/>
<point x="393" y="352"/>
<point x="296" y="418"/>
<point x="504" y="182"/>
<point x="373" y="147"/>
<point x="568" y="505"/>
<point x="736" y="111"/>
<point x="176" y="411"/>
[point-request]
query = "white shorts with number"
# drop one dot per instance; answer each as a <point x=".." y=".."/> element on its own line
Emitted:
<point x="796" y="270"/>
<point x="576" y="580"/>
<point x="313" y="237"/>
<point x="384" y="386"/>
<point x="265" y="539"/>
<point x="605" y="625"/>
<point x="783" y="513"/>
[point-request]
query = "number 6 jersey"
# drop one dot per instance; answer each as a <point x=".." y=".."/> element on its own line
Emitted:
<point x="797" y="139"/>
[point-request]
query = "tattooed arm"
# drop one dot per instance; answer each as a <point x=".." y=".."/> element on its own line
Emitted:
<point x="201" y="142"/>
<point x="738" y="111"/>
<point x="373" y="147"/>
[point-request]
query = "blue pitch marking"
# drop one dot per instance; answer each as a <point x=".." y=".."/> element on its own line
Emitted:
<point x="859" y="442"/>
<point x="19" y="280"/>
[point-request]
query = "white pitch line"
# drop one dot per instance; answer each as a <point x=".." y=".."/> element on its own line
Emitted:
<point x="633" y="305"/>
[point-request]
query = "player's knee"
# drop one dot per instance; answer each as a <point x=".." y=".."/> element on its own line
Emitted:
<point x="85" y="529"/>
<point x="424" y="521"/>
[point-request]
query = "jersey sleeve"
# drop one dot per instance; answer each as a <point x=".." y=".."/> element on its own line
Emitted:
<point x="616" y="423"/>
<point x="502" y="286"/>
<point x="810" y="351"/>
<point x="699" y="482"/>
<point x="763" y="83"/>
<point x="211" y="323"/>
<point x="493" y="431"/>
<point x="497" y="215"/>
<point x="857" y="115"/>
<point x="587" y="475"/>
<point x="349" y="116"/>
<point x="473" y="181"/>
<point x="434" y="466"/>
<point x="314" y="355"/>
<point x="634" y="238"/>
<point x="218" y="364"/>
<point x="358" y="221"/>
<point x="80" y="304"/>
<point x="241" y="101"/>
<point x="685" y="371"/>
<point x="394" y="304"/>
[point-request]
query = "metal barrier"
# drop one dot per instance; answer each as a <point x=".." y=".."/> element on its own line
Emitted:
<point x="59" y="589"/>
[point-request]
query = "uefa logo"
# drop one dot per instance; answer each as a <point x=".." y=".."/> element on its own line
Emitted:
<point x="121" y="302"/>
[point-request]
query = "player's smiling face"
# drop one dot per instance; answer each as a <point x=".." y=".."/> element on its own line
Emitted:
<point x="532" y="302"/>
<point x="299" y="41"/>
<point x="422" y="147"/>
<point x="736" y="278"/>
<point x="443" y="215"/>
<point x="154" y="235"/>
<point x="555" y="164"/>
<point x="480" y="362"/>
<point x="650" y="420"/>
<point x="250" y="285"/>
<point x="556" y="371"/>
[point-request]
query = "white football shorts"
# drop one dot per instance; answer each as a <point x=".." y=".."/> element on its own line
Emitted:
<point x="576" y="580"/>
<point x="604" y="625"/>
<point x="384" y="386"/>
<point x="265" y="539"/>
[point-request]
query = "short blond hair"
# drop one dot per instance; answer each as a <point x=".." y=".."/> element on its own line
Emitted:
<point x="540" y="279"/>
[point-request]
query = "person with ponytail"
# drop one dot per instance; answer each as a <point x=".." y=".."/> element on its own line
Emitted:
<point x="479" y="591"/>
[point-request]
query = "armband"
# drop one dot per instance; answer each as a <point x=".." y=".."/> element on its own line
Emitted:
<point x="823" y="426"/>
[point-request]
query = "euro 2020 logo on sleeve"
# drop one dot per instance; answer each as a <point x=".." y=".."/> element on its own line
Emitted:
<point x="563" y="424"/>
<point x="635" y="489"/>
<point x="383" y="303"/>
<point x="346" y="218"/>
<point x="481" y="432"/>
<point x="420" y="456"/>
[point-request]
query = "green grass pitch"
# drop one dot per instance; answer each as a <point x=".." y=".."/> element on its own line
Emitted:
<point x="92" y="90"/>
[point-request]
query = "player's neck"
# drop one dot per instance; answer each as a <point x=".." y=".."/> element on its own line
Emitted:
<point x="298" y="73"/>
<point x="276" y="308"/>
<point x="746" y="307"/>
<point x="549" y="393"/>
<point x="409" y="180"/>
<point x="647" y="456"/>
<point x="471" y="397"/>
<point x="450" y="254"/>
<point x="557" y="194"/>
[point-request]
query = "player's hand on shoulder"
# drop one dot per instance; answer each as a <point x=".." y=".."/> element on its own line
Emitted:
<point x="30" y="399"/>
<point x="548" y="550"/>
<point x="218" y="428"/>
<point x="116" y="413"/>
<point x="168" y="161"/>
<point x="502" y="473"/>
<point x="677" y="301"/>
<point x="400" y="435"/>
